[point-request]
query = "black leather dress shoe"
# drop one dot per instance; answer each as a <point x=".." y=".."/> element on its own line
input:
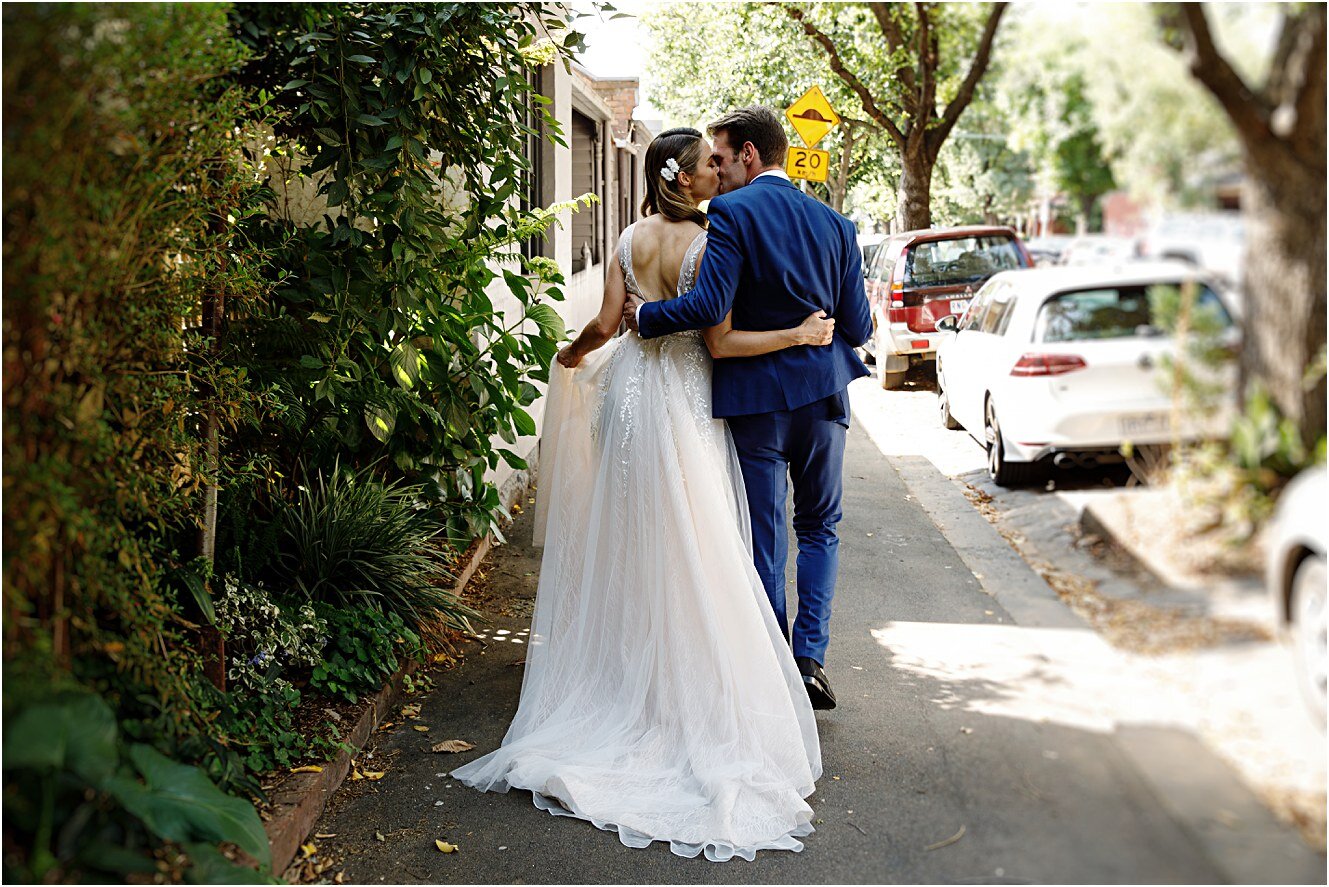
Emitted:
<point x="816" y="683"/>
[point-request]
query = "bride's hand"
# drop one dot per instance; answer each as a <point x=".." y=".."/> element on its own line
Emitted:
<point x="568" y="357"/>
<point x="817" y="329"/>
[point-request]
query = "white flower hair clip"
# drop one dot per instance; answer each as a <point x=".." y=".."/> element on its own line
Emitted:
<point x="670" y="170"/>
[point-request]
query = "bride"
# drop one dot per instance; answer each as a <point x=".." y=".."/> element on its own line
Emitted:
<point x="660" y="699"/>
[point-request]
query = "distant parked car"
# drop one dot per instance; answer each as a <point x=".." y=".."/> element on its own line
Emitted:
<point x="1064" y="365"/>
<point x="920" y="276"/>
<point x="868" y="244"/>
<point x="1048" y="250"/>
<point x="1213" y="241"/>
<point x="1297" y="539"/>
<point x="1095" y="249"/>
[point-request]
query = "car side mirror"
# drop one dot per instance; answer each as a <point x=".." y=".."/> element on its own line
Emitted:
<point x="948" y="324"/>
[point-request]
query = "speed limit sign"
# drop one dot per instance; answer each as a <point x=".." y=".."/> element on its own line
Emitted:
<point x="807" y="163"/>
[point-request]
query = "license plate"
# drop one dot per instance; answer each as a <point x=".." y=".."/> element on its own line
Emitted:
<point x="959" y="306"/>
<point x="1146" y="423"/>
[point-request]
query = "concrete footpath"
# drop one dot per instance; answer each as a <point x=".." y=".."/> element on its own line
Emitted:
<point x="963" y="751"/>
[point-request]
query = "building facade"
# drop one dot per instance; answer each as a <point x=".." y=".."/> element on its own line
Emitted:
<point x="604" y="155"/>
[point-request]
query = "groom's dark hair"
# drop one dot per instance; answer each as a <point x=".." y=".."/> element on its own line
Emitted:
<point x="759" y="125"/>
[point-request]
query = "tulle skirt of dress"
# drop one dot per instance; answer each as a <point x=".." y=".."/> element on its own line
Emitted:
<point x="660" y="699"/>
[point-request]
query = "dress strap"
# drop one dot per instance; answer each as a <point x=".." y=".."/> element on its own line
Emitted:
<point x="687" y="277"/>
<point x="625" y="260"/>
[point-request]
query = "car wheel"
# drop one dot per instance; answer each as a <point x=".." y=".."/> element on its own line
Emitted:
<point x="944" y="407"/>
<point x="1002" y="472"/>
<point x="1310" y="646"/>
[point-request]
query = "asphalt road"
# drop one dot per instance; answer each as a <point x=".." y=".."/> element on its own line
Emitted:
<point x="938" y="766"/>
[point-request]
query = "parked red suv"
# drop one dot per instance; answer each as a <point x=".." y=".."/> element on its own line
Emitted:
<point x="918" y="277"/>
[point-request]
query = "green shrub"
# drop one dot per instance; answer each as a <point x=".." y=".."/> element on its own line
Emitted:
<point x="383" y="345"/>
<point x="348" y="540"/>
<point x="364" y="648"/>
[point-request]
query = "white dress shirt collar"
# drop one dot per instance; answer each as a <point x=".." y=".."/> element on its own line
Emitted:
<point x="778" y="173"/>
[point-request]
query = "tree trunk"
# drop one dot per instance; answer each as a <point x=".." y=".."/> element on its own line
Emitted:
<point x="840" y="185"/>
<point x="914" y="208"/>
<point x="1083" y="216"/>
<point x="1285" y="287"/>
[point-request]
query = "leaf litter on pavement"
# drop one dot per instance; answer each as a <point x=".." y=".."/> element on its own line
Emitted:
<point x="452" y="745"/>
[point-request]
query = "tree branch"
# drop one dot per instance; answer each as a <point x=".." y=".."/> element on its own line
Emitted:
<point x="1248" y="112"/>
<point x="927" y="66"/>
<point x="977" y="68"/>
<point x="1308" y="131"/>
<point x="837" y="65"/>
<point x="890" y="29"/>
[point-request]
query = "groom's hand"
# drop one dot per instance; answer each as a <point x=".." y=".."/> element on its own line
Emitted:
<point x="630" y="306"/>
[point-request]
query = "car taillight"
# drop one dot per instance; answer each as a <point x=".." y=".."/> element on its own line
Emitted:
<point x="1046" y="364"/>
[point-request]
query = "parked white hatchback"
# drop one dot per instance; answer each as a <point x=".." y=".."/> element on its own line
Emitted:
<point x="1069" y="364"/>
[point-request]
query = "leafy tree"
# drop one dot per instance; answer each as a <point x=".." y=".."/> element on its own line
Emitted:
<point x="1280" y="123"/>
<point x="383" y="341"/>
<point x="913" y="81"/>
<point x="1052" y="117"/>
<point x="983" y="176"/>
<point x="694" y="87"/>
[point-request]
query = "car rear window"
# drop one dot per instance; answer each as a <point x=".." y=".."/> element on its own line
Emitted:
<point x="960" y="261"/>
<point x="1110" y="313"/>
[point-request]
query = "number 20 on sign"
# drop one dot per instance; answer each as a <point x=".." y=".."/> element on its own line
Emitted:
<point x="807" y="163"/>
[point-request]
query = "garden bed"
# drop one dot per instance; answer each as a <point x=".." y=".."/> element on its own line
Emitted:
<point x="297" y="799"/>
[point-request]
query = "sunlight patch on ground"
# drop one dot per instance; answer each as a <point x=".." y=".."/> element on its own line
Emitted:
<point x="1059" y="676"/>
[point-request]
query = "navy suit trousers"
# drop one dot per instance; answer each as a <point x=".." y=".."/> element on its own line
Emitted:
<point x="805" y="445"/>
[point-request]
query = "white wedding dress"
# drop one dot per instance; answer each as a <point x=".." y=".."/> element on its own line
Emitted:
<point x="660" y="699"/>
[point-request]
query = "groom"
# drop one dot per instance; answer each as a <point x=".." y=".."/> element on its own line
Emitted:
<point x="773" y="255"/>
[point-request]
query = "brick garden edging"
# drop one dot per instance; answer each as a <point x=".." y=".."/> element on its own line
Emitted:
<point x="298" y="802"/>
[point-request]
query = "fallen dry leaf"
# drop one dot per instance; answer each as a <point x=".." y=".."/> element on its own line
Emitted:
<point x="308" y="850"/>
<point x="445" y="847"/>
<point x="375" y="774"/>
<point x="326" y="835"/>
<point x="420" y="728"/>
<point x="356" y="774"/>
<point x="452" y="745"/>
<point x="410" y="711"/>
<point x="378" y="836"/>
<point x="308" y="768"/>
<point x="946" y="843"/>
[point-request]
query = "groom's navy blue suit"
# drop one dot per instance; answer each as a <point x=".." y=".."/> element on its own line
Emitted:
<point x="773" y="256"/>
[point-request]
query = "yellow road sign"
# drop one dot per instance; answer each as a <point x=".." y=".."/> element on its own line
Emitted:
<point x="812" y="116"/>
<point x="807" y="163"/>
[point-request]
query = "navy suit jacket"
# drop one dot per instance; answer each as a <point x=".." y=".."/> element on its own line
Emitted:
<point x="773" y="256"/>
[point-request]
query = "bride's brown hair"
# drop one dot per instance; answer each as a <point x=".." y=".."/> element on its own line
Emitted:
<point x="686" y="148"/>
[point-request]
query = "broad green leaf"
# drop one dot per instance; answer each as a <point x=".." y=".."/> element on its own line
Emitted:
<point x="380" y="422"/>
<point x="78" y="734"/>
<point x="405" y="360"/>
<point x="522" y="421"/>
<point x="549" y="321"/>
<point x="180" y="803"/>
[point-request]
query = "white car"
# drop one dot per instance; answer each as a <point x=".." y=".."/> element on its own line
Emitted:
<point x="1096" y="249"/>
<point x="1296" y="541"/>
<point x="1067" y="365"/>
<point x="1214" y="241"/>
